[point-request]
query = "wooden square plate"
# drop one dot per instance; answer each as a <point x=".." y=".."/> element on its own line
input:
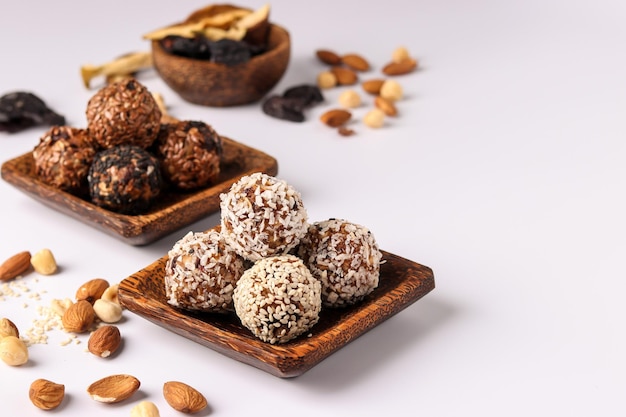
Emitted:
<point x="402" y="282"/>
<point x="171" y="212"/>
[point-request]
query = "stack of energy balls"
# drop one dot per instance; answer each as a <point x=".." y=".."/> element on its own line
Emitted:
<point x="127" y="155"/>
<point x="271" y="267"/>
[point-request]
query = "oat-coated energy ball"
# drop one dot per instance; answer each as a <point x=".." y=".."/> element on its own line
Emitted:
<point x="346" y="259"/>
<point x="63" y="157"/>
<point x="125" y="179"/>
<point x="123" y="113"/>
<point x="262" y="216"/>
<point x="201" y="273"/>
<point x="190" y="154"/>
<point x="278" y="299"/>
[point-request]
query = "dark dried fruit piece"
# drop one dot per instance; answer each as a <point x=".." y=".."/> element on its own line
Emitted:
<point x="230" y="52"/>
<point x="196" y="48"/>
<point x="284" y="108"/>
<point x="309" y="94"/>
<point x="20" y="110"/>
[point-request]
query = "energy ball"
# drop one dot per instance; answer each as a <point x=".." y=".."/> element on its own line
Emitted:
<point x="346" y="259"/>
<point x="124" y="179"/>
<point x="262" y="216"/>
<point x="190" y="154"/>
<point x="123" y="113"/>
<point x="201" y="273"/>
<point x="63" y="157"/>
<point x="278" y="299"/>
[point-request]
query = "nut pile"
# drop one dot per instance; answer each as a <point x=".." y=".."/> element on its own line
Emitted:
<point x="288" y="268"/>
<point x="130" y="151"/>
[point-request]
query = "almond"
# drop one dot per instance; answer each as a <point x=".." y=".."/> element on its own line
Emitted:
<point x="92" y="290"/>
<point x="183" y="398"/>
<point x="45" y="394"/>
<point x="104" y="341"/>
<point x="78" y="317"/>
<point x="328" y="57"/>
<point x="8" y="328"/>
<point x="401" y="67"/>
<point x="386" y="106"/>
<point x="356" y="62"/>
<point x="372" y="86"/>
<point x="15" y="266"/>
<point x="345" y="76"/>
<point x="113" y="388"/>
<point x="335" y="117"/>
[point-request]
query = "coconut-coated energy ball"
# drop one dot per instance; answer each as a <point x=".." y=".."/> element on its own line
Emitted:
<point x="123" y="113"/>
<point x="278" y="299"/>
<point x="190" y="153"/>
<point x="262" y="216"/>
<point x="125" y="179"/>
<point x="201" y="273"/>
<point x="63" y="157"/>
<point x="346" y="259"/>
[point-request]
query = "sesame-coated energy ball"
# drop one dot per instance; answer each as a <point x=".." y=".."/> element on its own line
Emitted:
<point x="346" y="259"/>
<point x="278" y="299"/>
<point x="262" y="216"/>
<point x="63" y="157"/>
<point x="190" y="154"/>
<point x="123" y="113"/>
<point x="124" y="179"/>
<point x="201" y="273"/>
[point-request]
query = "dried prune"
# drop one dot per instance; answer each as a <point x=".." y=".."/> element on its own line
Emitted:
<point x="196" y="48"/>
<point x="284" y="108"/>
<point x="230" y="52"/>
<point x="20" y="110"/>
<point x="309" y="94"/>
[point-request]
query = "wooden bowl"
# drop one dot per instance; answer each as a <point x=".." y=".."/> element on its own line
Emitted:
<point x="218" y="85"/>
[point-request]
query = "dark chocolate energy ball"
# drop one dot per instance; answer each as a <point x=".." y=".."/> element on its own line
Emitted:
<point x="63" y="157"/>
<point x="190" y="154"/>
<point x="125" y="179"/>
<point x="123" y="113"/>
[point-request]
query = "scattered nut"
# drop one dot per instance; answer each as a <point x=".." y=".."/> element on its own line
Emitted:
<point x="107" y="311"/>
<point x="104" y="341"/>
<point x="335" y="117"/>
<point x="400" y="68"/>
<point x="375" y="118"/>
<point x="391" y="90"/>
<point x="15" y="266"/>
<point x="328" y="57"/>
<point x="60" y="306"/>
<point x="350" y="99"/>
<point x="13" y="351"/>
<point x="183" y="398"/>
<point x="373" y="86"/>
<point x="43" y="262"/>
<point x="110" y="294"/>
<point x="326" y="79"/>
<point x="78" y="317"/>
<point x="400" y="54"/>
<point x="345" y="76"/>
<point x="45" y="394"/>
<point x="144" y="409"/>
<point x="8" y="328"/>
<point x="92" y="290"/>
<point x="113" y="388"/>
<point x="345" y="131"/>
<point x="355" y="62"/>
<point x="387" y="106"/>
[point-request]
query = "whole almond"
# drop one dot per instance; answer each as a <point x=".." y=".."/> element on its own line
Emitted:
<point x="15" y="266"/>
<point x="45" y="394"/>
<point x="335" y="117"/>
<point x="356" y="62"/>
<point x="92" y="290"/>
<point x="78" y="317"/>
<point x="372" y="86"/>
<point x="8" y="328"/>
<point x="328" y="57"/>
<point x="104" y="341"/>
<point x="183" y="398"/>
<point x="401" y="67"/>
<point x="345" y="76"/>
<point x="113" y="388"/>
<point x="386" y="106"/>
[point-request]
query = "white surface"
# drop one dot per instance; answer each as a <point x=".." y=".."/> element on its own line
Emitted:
<point x="504" y="173"/>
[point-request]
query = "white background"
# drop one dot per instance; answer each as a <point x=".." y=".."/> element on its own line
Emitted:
<point x="504" y="173"/>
